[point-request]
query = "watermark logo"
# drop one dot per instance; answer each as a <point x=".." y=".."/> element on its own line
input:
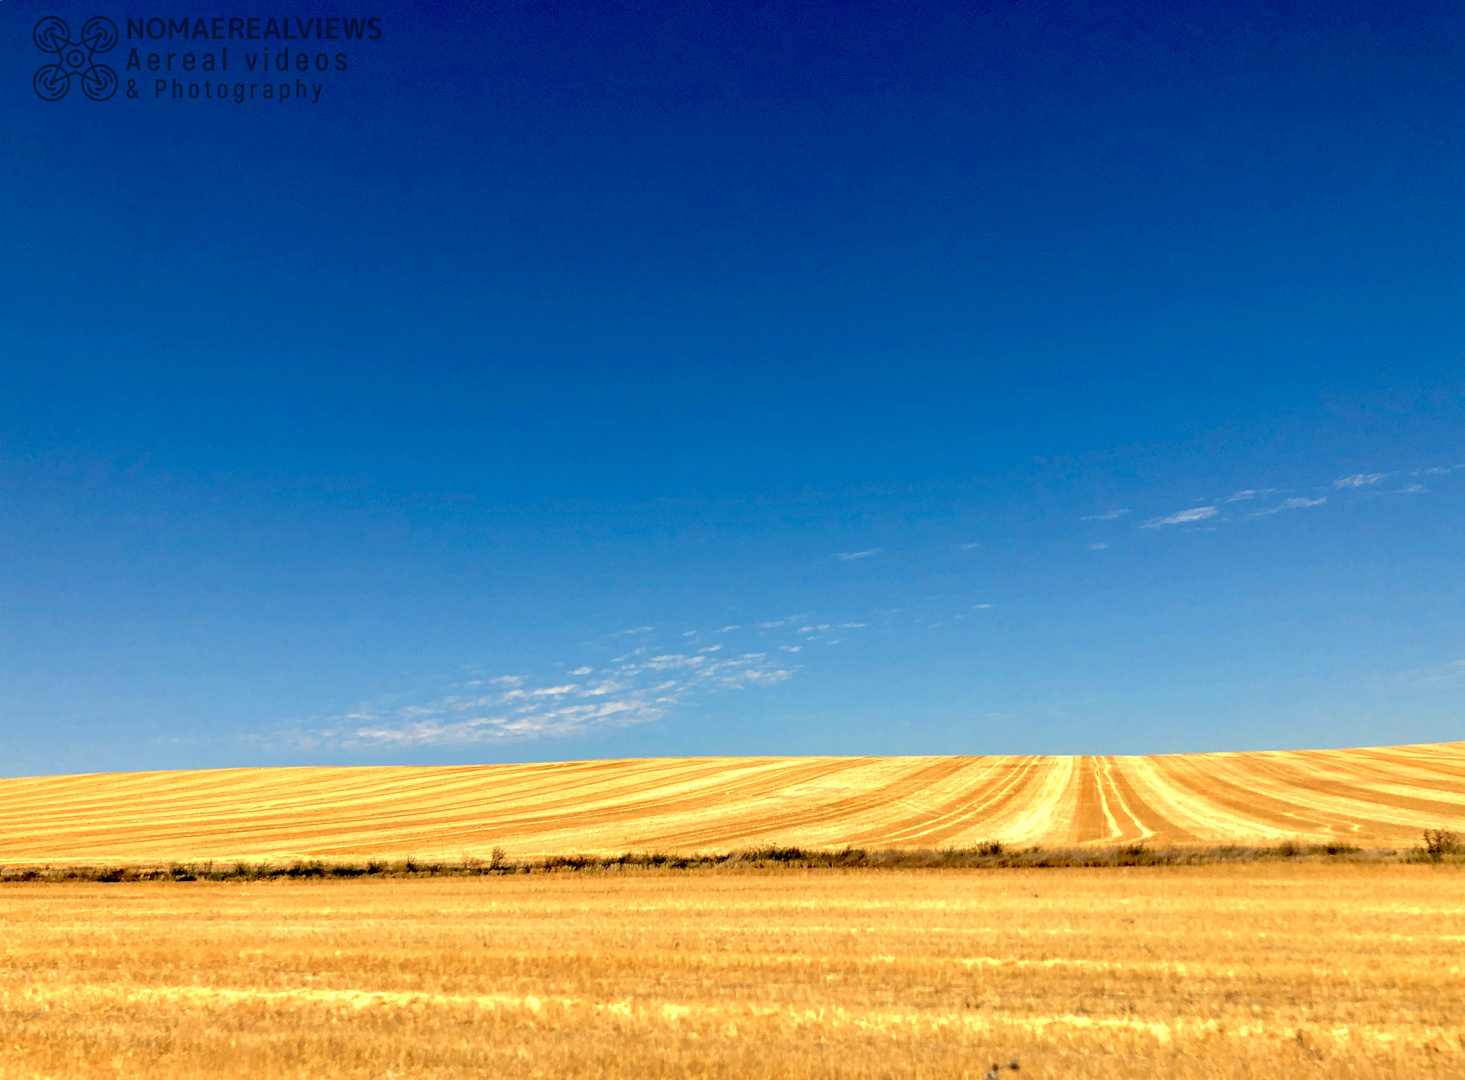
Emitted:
<point x="75" y="59"/>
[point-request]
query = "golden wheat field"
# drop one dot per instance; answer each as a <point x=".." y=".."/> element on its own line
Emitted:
<point x="1300" y="970"/>
<point x="1365" y="797"/>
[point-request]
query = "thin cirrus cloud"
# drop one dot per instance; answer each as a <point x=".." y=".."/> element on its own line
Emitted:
<point x="1205" y="513"/>
<point x="1184" y="517"/>
<point x="1108" y="515"/>
<point x="636" y="690"/>
<point x="1352" y="482"/>
<point x="849" y="555"/>
<point x="1291" y="504"/>
<point x="1248" y="494"/>
<point x="1358" y="480"/>
<point x="639" y="687"/>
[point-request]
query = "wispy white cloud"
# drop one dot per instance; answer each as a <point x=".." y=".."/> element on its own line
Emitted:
<point x="639" y="691"/>
<point x="1197" y="513"/>
<point x="1108" y="515"/>
<point x="972" y="546"/>
<point x="786" y="621"/>
<point x="1097" y="547"/>
<point x="1291" y="504"/>
<point x="848" y="555"/>
<point x="981" y="607"/>
<point x="639" y="687"/>
<point x="1262" y="498"/>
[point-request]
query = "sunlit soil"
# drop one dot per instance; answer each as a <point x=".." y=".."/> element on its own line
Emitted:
<point x="1217" y="971"/>
<point x="1379" y="797"/>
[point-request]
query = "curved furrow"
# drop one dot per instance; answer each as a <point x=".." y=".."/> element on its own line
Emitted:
<point x="1274" y="778"/>
<point x="829" y="816"/>
<point x="1189" y="810"/>
<point x="958" y="807"/>
<point x="1445" y="761"/>
<point x="1003" y="786"/>
<point x="1149" y="821"/>
<point x="594" y="811"/>
<point x="966" y="816"/>
<point x="1234" y="787"/>
<point x="735" y="810"/>
<point x="920" y="814"/>
<point x="816" y="811"/>
<point x="1047" y="812"/>
<point x="697" y="817"/>
<point x="1358" y="792"/>
<point x="1373" y="772"/>
<point x="1127" y="824"/>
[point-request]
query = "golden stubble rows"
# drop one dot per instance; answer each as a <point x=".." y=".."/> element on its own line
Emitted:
<point x="1368" y="797"/>
<point x="1215" y="971"/>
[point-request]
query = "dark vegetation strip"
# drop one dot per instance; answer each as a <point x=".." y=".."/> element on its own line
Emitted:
<point x="1439" y="846"/>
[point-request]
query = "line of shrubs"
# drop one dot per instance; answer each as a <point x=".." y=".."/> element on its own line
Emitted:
<point x="1439" y="845"/>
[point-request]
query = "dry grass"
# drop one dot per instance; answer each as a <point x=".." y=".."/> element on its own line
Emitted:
<point x="1367" y="798"/>
<point x="1214" y="971"/>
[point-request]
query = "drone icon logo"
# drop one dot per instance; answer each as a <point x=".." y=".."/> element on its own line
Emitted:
<point x="73" y="58"/>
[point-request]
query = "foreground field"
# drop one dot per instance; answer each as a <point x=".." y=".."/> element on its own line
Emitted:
<point x="1374" y="797"/>
<point x="1297" y="971"/>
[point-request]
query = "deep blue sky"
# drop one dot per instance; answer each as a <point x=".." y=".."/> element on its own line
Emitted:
<point x="581" y="380"/>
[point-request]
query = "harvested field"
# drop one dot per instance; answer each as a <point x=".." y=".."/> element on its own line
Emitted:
<point x="1379" y="797"/>
<point x="1302" y="970"/>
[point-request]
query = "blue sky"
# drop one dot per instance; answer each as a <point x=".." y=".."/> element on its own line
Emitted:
<point x="590" y="380"/>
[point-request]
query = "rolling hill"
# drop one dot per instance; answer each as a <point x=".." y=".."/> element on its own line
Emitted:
<point x="1377" y="796"/>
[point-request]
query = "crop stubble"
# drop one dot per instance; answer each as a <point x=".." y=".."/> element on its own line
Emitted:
<point x="1214" y="971"/>
<point x="1365" y="797"/>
